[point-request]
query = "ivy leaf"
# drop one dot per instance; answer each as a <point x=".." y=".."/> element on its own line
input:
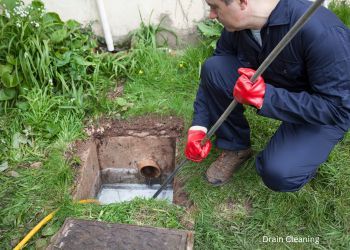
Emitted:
<point x="7" y="94"/>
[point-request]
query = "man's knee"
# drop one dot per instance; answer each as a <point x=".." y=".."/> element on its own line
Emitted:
<point x="220" y="71"/>
<point x="278" y="176"/>
<point x="210" y="69"/>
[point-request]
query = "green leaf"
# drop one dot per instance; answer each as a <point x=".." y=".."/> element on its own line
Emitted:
<point x="81" y="61"/>
<point x="22" y="105"/>
<point x="209" y="30"/>
<point x="63" y="59"/>
<point x="72" y="24"/>
<point x="10" y="4"/>
<point x="7" y="94"/>
<point x="58" y="35"/>
<point x="7" y="68"/>
<point x="18" y="139"/>
<point x="121" y="101"/>
<point x="50" y="230"/>
<point x="37" y="4"/>
<point x="11" y="59"/>
<point x="52" y="17"/>
<point x="10" y="80"/>
<point x="213" y="44"/>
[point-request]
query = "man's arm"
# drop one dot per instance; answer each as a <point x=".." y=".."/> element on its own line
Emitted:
<point x="328" y="67"/>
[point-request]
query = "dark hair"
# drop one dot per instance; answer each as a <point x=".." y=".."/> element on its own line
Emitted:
<point x="227" y="2"/>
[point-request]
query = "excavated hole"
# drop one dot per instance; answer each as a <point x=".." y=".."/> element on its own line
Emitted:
<point x="116" y="168"/>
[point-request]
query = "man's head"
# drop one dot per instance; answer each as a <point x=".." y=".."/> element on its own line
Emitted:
<point x="241" y="14"/>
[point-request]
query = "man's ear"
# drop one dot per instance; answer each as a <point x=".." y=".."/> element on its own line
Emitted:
<point x="243" y="4"/>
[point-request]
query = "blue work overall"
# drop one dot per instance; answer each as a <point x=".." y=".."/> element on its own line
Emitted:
<point x="307" y="88"/>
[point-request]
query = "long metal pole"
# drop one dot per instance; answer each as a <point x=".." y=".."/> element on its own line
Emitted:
<point x="265" y="64"/>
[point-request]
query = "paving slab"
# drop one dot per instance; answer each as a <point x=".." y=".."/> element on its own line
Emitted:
<point x="78" y="234"/>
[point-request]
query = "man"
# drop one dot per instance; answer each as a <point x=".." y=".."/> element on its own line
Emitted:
<point x="307" y="87"/>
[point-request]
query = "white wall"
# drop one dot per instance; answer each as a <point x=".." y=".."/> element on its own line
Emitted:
<point x="124" y="16"/>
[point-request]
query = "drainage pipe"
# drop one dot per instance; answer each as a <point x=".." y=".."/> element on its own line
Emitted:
<point x="42" y="223"/>
<point x="148" y="168"/>
<point x="105" y="25"/>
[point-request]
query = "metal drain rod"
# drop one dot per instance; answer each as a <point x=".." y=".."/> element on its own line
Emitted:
<point x="266" y="63"/>
<point x="170" y="177"/>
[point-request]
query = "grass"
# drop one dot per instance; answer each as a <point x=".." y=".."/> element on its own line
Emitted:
<point x="235" y="216"/>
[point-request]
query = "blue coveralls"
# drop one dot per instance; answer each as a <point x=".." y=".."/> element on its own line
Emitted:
<point x="308" y="89"/>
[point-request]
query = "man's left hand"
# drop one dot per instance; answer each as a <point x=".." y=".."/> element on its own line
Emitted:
<point x="247" y="92"/>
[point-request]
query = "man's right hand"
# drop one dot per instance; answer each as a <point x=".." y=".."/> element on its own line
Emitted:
<point x="194" y="151"/>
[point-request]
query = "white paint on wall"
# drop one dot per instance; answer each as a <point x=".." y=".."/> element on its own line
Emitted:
<point x="124" y="16"/>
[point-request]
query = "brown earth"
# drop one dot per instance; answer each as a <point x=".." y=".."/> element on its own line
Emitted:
<point x="150" y="125"/>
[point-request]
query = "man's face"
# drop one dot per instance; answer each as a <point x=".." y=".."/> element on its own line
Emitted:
<point x="231" y="15"/>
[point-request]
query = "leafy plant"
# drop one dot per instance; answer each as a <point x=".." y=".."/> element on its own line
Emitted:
<point x="210" y="30"/>
<point x="38" y="49"/>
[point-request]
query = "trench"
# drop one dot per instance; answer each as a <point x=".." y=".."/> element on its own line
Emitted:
<point x="120" y="168"/>
<point x="129" y="160"/>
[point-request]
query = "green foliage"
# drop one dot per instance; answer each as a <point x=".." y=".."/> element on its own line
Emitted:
<point x="342" y="9"/>
<point x="44" y="115"/>
<point x="38" y="49"/>
<point x="148" y="35"/>
<point x="211" y="31"/>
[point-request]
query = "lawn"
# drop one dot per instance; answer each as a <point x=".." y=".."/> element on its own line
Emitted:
<point x="47" y="102"/>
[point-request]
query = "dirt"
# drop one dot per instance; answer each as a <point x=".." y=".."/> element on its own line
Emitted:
<point x="150" y="125"/>
<point x="117" y="91"/>
<point x="181" y="197"/>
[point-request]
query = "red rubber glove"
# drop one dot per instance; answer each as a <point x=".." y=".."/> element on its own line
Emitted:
<point x="246" y="92"/>
<point x="194" y="151"/>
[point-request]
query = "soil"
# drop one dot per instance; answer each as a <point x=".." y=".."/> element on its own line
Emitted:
<point x="117" y="91"/>
<point x="150" y="125"/>
<point x="181" y="197"/>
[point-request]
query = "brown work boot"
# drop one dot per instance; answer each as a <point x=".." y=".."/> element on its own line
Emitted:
<point x="221" y="170"/>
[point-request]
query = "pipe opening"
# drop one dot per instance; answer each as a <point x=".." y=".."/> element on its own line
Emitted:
<point x="149" y="168"/>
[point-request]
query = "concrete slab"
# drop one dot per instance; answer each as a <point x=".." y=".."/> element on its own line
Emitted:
<point x="92" y="235"/>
